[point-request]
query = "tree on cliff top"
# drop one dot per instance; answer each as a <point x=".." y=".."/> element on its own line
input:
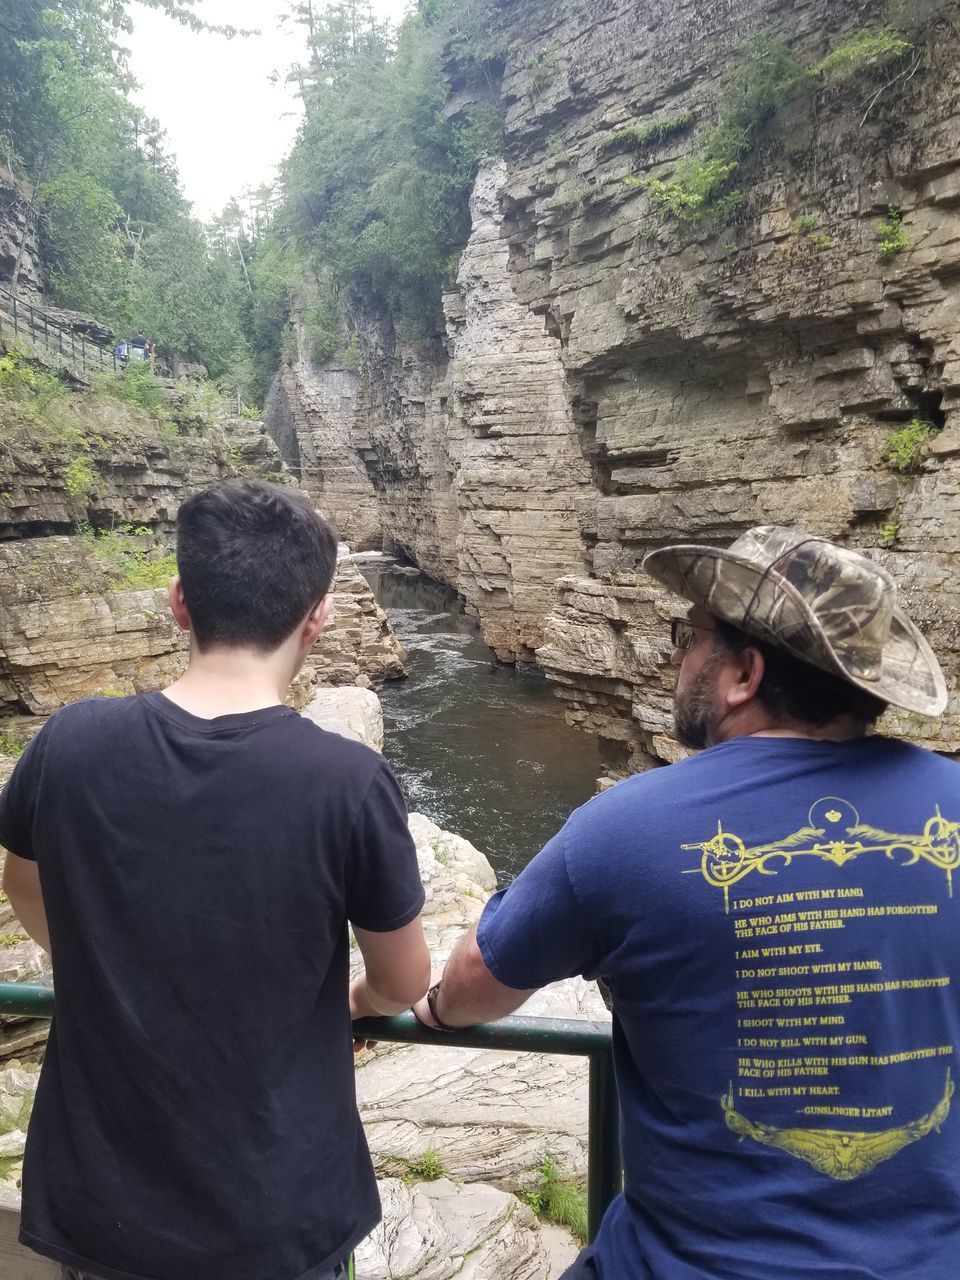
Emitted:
<point x="376" y="188"/>
<point x="95" y="172"/>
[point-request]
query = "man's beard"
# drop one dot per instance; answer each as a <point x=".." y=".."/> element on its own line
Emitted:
<point x="694" y="717"/>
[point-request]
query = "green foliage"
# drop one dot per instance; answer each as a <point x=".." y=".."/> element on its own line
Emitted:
<point x="890" y="533"/>
<point x="78" y="478"/>
<point x="82" y="254"/>
<point x="891" y="235"/>
<point x="698" y="191"/>
<point x="428" y="1168"/>
<point x="375" y="192"/>
<point x="12" y="742"/>
<point x="137" y="385"/>
<point x="28" y="383"/>
<point x="326" y="333"/>
<point x="767" y="77"/>
<point x="12" y="940"/>
<point x="813" y="239"/>
<point x="559" y="1200"/>
<point x="130" y="559"/>
<point x="543" y="64"/>
<point x="113" y="225"/>
<point x="868" y="47"/>
<point x="905" y="449"/>
<point x="646" y="136"/>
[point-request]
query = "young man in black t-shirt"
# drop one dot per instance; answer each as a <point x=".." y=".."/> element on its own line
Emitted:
<point x="192" y="858"/>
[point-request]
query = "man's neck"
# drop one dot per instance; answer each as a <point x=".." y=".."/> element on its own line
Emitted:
<point x="758" y="725"/>
<point x="225" y="682"/>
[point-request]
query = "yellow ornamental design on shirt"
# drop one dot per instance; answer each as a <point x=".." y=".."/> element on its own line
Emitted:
<point x="834" y="834"/>
<point x="840" y="1154"/>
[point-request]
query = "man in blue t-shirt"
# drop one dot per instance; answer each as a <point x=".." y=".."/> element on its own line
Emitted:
<point x="192" y="858"/>
<point x="777" y="920"/>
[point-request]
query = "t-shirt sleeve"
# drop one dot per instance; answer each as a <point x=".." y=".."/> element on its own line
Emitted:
<point x="536" y="931"/>
<point x="384" y="891"/>
<point x="18" y="800"/>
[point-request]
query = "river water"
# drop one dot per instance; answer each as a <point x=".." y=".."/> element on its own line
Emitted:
<point x="480" y="748"/>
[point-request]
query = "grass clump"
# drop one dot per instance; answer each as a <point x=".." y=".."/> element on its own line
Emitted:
<point x="12" y="743"/>
<point x="428" y="1168"/>
<point x="78" y="477"/>
<point x="891" y="235"/>
<point x="137" y="385"/>
<point x="767" y="77"/>
<point x="559" y="1200"/>
<point x="869" y="47"/>
<point x="31" y="387"/>
<point x="890" y="534"/>
<point x="814" y="238"/>
<point x="127" y="555"/>
<point x="646" y="136"/>
<point x="905" y="449"/>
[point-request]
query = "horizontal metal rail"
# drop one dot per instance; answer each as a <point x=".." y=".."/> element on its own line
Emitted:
<point x="33" y="321"/>
<point x="569" y="1036"/>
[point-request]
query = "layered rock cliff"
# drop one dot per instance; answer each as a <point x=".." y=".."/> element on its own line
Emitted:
<point x="612" y="380"/>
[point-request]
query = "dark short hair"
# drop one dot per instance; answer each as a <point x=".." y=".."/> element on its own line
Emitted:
<point x="795" y="690"/>
<point x="253" y="560"/>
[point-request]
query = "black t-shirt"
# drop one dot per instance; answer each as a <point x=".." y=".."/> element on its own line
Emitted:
<point x="196" y="1115"/>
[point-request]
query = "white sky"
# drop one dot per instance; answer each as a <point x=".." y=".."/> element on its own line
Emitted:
<point x="226" y="124"/>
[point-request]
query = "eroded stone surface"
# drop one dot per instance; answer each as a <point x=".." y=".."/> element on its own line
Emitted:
<point x="438" y="1230"/>
<point x="67" y="632"/>
<point x="352" y="713"/>
<point x="611" y="382"/>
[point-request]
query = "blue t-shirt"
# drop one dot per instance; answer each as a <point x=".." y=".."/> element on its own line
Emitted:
<point x="778" y="922"/>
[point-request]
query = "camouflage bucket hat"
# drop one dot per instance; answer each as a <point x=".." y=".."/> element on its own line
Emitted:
<point x="827" y="605"/>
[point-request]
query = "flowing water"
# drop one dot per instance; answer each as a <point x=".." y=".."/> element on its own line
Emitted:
<point x="480" y="748"/>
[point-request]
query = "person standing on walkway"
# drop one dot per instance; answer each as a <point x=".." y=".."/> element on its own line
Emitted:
<point x="777" y="920"/>
<point x="191" y="858"/>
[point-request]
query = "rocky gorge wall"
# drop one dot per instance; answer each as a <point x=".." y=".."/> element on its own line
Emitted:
<point x="611" y="380"/>
<point x="90" y="487"/>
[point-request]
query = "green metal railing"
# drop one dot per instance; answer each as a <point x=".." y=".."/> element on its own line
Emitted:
<point x="83" y="353"/>
<point x="568" y="1036"/>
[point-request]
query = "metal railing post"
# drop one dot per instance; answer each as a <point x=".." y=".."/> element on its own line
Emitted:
<point x="568" y="1036"/>
<point x="604" y="1176"/>
<point x="14" y="313"/>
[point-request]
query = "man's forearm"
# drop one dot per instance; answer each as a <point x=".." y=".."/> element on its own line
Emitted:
<point x="468" y="992"/>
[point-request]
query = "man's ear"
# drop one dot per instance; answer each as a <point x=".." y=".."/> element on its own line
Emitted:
<point x="178" y="606"/>
<point x="316" y="619"/>
<point x="745" y="673"/>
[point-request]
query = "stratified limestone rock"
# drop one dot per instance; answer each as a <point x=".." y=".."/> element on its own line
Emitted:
<point x="438" y="1230"/>
<point x="311" y="412"/>
<point x="68" y="632"/>
<point x="135" y="473"/>
<point x="613" y="381"/>
<point x="521" y="470"/>
<point x="490" y="1116"/>
<point x="19" y="241"/>
<point x="353" y="713"/>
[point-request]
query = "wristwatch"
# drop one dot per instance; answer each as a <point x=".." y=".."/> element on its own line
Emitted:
<point x="432" y="1006"/>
